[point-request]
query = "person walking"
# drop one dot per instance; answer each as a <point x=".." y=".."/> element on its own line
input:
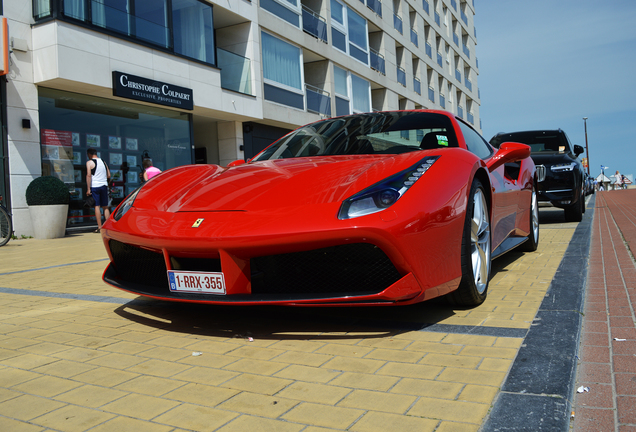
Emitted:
<point x="97" y="178"/>
<point x="149" y="170"/>
<point x="619" y="180"/>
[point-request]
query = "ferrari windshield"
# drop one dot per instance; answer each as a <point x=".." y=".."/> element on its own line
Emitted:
<point x="372" y="133"/>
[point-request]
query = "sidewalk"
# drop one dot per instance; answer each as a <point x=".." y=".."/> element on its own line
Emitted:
<point x="607" y="350"/>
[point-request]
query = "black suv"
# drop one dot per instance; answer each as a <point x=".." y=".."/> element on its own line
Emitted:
<point x="564" y="184"/>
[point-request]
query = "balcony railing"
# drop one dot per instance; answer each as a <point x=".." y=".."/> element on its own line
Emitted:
<point x="236" y="72"/>
<point x="460" y="112"/>
<point x="442" y="101"/>
<point x="314" y="24"/>
<point x="281" y="11"/>
<point x="318" y="100"/>
<point x="401" y="76"/>
<point x="437" y="19"/>
<point x="458" y="75"/>
<point x="397" y="23"/>
<point x="429" y="50"/>
<point x="471" y="119"/>
<point x="417" y="86"/>
<point x="414" y="37"/>
<point x="456" y="39"/>
<point x="466" y="50"/>
<point x="377" y="61"/>
<point x="431" y="94"/>
<point x="454" y="4"/>
<point x="469" y="85"/>
<point x="464" y="17"/>
<point x="425" y="6"/>
<point x="439" y="60"/>
<point x="375" y="6"/>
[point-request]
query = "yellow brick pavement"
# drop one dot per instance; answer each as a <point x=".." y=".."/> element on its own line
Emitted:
<point x="114" y="364"/>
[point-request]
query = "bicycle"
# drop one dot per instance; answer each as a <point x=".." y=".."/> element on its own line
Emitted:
<point x="6" y="226"/>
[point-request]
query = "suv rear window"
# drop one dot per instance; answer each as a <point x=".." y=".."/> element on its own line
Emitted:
<point x="539" y="142"/>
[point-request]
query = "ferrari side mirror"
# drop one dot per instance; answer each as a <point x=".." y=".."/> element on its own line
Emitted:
<point x="236" y="163"/>
<point x="508" y="152"/>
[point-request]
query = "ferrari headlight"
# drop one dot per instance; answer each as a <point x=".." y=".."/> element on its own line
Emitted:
<point x="126" y="204"/>
<point x="385" y="193"/>
<point x="564" y="167"/>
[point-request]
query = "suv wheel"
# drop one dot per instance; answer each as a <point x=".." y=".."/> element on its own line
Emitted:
<point x="574" y="213"/>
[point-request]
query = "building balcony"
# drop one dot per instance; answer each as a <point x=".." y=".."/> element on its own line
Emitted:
<point x="417" y="86"/>
<point x="414" y="38"/>
<point x="426" y="7"/>
<point x="314" y="24"/>
<point x="397" y="23"/>
<point x="401" y="76"/>
<point x="377" y="61"/>
<point x="464" y="17"/>
<point x="454" y="4"/>
<point x="281" y="11"/>
<point x="456" y="39"/>
<point x="318" y="100"/>
<point x="236" y="72"/>
<point x="375" y="6"/>
<point x="442" y="101"/>
<point x="460" y="112"/>
<point x="429" y="50"/>
<point x="438" y="21"/>
<point x="439" y="60"/>
<point x="431" y="94"/>
<point x="469" y="85"/>
<point x="471" y="119"/>
<point x="458" y="75"/>
<point x="466" y="50"/>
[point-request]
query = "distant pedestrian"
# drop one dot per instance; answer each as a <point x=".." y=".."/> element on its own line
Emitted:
<point x="619" y="180"/>
<point x="149" y="170"/>
<point x="97" y="179"/>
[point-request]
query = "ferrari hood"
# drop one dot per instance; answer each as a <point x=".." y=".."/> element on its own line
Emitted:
<point x="272" y="184"/>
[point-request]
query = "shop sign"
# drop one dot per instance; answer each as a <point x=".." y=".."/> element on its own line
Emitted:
<point x="142" y="89"/>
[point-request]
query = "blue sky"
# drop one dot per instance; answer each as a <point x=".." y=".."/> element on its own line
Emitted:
<point x="546" y="64"/>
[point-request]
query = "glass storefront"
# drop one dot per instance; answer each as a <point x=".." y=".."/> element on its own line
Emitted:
<point x="123" y="134"/>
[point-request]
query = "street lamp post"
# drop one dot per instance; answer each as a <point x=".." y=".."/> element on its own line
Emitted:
<point x="587" y="152"/>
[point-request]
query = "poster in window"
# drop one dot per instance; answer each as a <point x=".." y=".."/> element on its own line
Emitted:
<point x="93" y="140"/>
<point x="116" y="175"/>
<point x="131" y="144"/>
<point x="77" y="176"/>
<point x="114" y="142"/>
<point x="76" y="139"/>
<point x="75" y="217"/>
<point x="132" y="177"/>
<point x="115" y="158"/>
<point x="76" y="194"/>
<point x="117" y="192"/>
<point x="132" y="160"/>
<point x="56" y="138"/>
<point x="77" y="158"/>
<point x="50" y="152"/>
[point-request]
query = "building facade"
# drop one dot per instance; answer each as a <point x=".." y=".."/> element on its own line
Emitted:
<point x="199" y="81"/>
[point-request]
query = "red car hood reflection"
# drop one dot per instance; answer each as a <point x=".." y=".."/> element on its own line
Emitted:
<point x="279" y="183"/>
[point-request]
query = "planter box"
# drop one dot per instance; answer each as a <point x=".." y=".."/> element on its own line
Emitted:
<point x="49" y="221"/>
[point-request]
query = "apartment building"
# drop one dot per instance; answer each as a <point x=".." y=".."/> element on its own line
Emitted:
<point x="199" y="81"/>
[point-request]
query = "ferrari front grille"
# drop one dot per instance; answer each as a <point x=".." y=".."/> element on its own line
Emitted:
<point x="139" y="266"/>
<point x="346" y="269"/>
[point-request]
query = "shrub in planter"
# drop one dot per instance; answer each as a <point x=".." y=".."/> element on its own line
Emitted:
<point x="47" y="190"/>
<point x="47" y="198"/>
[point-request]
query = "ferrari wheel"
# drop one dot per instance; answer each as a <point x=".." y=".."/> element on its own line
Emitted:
<point x="531" y="244"/>
<point x="475" y="256"/>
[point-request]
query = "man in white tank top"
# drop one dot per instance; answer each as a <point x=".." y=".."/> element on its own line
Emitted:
<point x="97" y="177"/>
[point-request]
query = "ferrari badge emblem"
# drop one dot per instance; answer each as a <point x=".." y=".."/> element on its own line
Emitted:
<point x="197" y="223"/>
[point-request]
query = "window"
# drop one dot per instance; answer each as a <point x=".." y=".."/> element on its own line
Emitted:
<point x="282" y="71"/>
<point x="349" y="32"/>
<point x="474" y="142"/>
<point x="353" y="94"/>
<point x="184" y="27"/>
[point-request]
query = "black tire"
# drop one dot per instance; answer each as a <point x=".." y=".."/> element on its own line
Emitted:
<point x="532" y="243"/>
<point x="6" y="228"/>
<point x="574" y="213"/>
<point x="476" y="245"/>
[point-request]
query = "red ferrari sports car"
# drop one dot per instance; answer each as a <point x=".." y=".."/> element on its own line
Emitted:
<point x="368" y="209"/>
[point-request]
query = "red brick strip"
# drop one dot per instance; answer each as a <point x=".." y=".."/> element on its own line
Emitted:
<point x="607" y="349"/>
